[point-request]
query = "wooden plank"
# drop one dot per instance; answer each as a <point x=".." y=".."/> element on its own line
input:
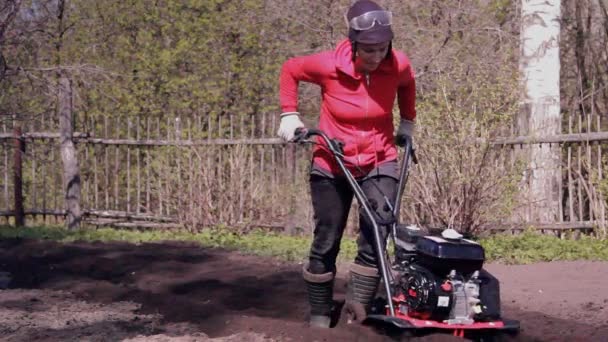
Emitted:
<point x="601" y="201"/>
<point x="218" y="170"/>
<point x="178" y="158"/>
<point x="34" y="212"/>
<point x="284" y="179"/>
<point x="230" y="183"/>
<point x="208" y="169"/>
<point x="7" y="200"/>
<point x="242" y="133"/>
<point x="296" y="153"/>
<point x="571" y="193"/>
<point x="18" y="149"/>
<point x="85" y="178"/>
<point x="199" y="170"/>
<point x="95" y="172"/>
<point x="86" y="138"/>
<point x="560" y="182"/>
<point x="57" y="181"/>
<point x="243" y="171"/>
<point x="191" y="180"/>
<point x="219" y="173"/>
<point x="241" y="181"/>
<point x="553" y="139"/>
<point x="43" y="175"/>
<point x="231" y="118"/>
<point x="138" y="165"/>
<point x="231" y="164"/>
<point x="575" y="225"/>
<point x="43" y="172"/>
<point x="128" y="215"/>
<point x="166" y="170"/>
<point x="252" y="151"/>
<point x="273" y="130"/>
<point x="129" y="124"/>
<point x="209" y="127"/>
<point x="43" y="135"/>
<point x="207" y="196"/>
<point x="579" y="175"/>
<point x="31" y="155"/>
<point x="264" y="175"/>
<point x="273" y="177"/>
<point x="160" y="184"/>
<point x="590" y="193"/>
<point x="148" y="162"/>
<point x="116" y="173"/>
<point x="135" y="225"/>
<point x="106" y="188"/>
<point x="253" y="127"/>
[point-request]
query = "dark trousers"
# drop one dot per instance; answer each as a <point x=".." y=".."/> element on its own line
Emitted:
<point x="331" y="201"/>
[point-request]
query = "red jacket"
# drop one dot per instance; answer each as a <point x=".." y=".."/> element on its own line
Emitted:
<point x="353" y="110"/>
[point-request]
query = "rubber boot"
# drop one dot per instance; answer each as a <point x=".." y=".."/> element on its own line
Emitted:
<point x="362" y="285"/>
<point x="320" y="296"/>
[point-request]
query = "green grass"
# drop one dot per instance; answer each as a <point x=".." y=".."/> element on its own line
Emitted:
<point x="525" y="248"/>
<point x="532" y="247"/>
<point x="290" y="248"/>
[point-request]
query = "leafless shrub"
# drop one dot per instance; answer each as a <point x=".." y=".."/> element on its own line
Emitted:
<point x="462" y="180"/>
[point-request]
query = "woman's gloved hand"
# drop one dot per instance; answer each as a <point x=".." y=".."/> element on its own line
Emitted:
<point x="289" y="123"/>
<point x="405" y="132"/>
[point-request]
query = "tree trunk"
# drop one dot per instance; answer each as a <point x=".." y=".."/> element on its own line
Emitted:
<point x="540" y="106"/>
<point x="71" y="171"/>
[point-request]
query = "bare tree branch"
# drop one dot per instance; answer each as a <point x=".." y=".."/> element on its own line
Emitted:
<point x="7" y="15"/>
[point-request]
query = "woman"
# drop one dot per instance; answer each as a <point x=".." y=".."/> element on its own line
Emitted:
<point x="359" y="81"/>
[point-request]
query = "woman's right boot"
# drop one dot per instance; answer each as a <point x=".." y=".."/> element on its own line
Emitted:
<point x="320" y="296"/>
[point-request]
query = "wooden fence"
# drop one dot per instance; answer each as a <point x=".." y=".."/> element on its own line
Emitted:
<point x="159" y="173"/>
<point x="163" y="173"/>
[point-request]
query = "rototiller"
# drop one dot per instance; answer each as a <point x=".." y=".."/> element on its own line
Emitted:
<point x="433" y="283"/>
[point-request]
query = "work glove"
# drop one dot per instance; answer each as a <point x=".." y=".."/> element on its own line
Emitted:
<point x="405" y="132"/>
<point x="289" y="123"/>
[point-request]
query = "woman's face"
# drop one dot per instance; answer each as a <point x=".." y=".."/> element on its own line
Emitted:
<point x="369" y="56"/>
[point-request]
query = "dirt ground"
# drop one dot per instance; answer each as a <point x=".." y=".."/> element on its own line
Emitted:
<point x="181" y="292"/>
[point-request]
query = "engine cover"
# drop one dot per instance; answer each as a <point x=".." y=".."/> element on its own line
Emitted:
<point x="441" y="256"/>
<point x="453" y="299"/>
<point x="425" y="294"/>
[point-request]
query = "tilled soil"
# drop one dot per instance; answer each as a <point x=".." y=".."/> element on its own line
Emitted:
<point x="181" y="292"/>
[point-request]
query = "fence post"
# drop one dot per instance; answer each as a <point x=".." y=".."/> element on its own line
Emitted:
<point x="19" y="149"/>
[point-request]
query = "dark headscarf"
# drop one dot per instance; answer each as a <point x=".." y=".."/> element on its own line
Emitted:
<point x="377" y="34"/>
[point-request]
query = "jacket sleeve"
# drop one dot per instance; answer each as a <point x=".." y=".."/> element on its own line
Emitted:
<point x="406" y="92"/>
<point x="311" y="68"/>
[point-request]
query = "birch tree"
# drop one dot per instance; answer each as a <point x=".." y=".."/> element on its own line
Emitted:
<point x="540" y="105"/>
<point x="69" y="155"/>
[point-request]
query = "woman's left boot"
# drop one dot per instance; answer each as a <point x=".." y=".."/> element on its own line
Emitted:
<point x="362" y="286"/>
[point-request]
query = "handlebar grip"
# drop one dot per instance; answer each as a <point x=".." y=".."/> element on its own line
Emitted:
<point x="303" y="133"/>
<point x="300" y="134"/>
<point x="313" y="131"/>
